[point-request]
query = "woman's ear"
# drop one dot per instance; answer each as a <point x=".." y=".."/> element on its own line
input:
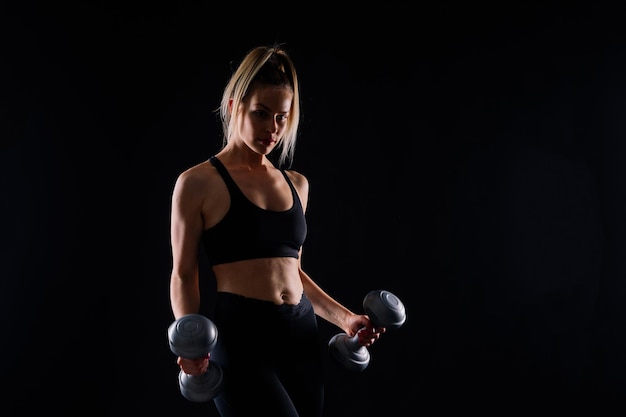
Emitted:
<point x="230" y="105"/>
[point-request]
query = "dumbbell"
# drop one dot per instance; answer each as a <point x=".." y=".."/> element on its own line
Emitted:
<point x="193" y="336"/>
<point x="384" y="310"/>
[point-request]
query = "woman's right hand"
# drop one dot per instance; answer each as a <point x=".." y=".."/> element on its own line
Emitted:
<point x="194" y="366"/>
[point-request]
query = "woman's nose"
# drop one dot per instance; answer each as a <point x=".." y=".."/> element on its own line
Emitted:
<point x="272" y="126"/>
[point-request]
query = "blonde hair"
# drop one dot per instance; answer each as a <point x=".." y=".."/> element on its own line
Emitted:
<point x="268" y="66"/>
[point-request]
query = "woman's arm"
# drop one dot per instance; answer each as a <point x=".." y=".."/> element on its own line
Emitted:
<point x="186" y="229"/>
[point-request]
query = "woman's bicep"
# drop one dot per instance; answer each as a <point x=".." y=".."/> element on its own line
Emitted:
<point x="185" y="225"/>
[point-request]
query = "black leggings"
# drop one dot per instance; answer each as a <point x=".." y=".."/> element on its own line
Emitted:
<point x="271" y="358"/>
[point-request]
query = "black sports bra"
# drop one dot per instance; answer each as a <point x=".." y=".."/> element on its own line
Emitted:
<point x="249" y="232"/>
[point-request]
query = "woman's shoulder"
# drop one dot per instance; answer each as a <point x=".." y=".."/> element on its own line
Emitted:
<point x="298" y="179"/>
<point x="301" y="184"/>
<point x="202" y="176"/>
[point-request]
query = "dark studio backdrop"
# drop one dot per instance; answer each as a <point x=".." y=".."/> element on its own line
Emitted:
<point x="469" y="159"/>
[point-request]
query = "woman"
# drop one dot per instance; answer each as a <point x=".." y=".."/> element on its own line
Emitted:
<point x="249" y="217"/>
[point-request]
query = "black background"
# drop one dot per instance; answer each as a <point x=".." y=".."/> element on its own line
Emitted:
<point x="467" y="157"/>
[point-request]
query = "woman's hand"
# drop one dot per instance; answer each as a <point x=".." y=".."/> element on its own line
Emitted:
<point x="362" y="326"/>
<point x="194" y="366"/>
<point x="369" y="335"/>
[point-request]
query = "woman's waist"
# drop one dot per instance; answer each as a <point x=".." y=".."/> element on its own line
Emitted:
<point x="234" y="310"/>
<point x="270" y="279"/>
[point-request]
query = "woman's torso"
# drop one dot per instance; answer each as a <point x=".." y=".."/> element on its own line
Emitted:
<point x="275" y="279"/>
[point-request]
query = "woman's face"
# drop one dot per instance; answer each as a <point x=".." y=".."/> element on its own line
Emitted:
<point x="264" y="115"/>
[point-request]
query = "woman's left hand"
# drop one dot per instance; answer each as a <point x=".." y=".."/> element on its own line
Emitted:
<point x="367" y="333"/>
